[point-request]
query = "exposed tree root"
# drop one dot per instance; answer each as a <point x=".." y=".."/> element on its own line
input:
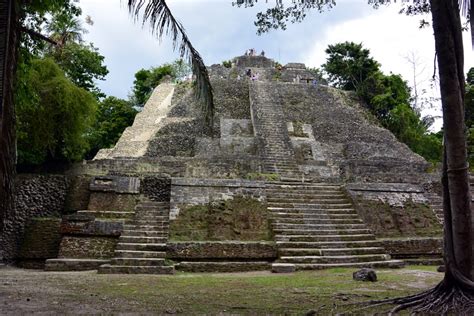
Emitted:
<point x="440" y="300"/>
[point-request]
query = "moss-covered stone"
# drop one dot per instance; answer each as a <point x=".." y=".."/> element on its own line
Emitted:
<point x="41" y="239"/>
<point x="87" y="247"/>
<point x="411" y="219"/>
<point x="238" y="219"/>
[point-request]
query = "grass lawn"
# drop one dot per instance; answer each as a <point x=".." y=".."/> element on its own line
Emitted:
<point x="257" y="293"/>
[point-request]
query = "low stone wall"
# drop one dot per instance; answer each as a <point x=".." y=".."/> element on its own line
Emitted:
<point x="35" y="196"/>
<point x="228" y="250"/>
<point x="87" y="238"/>
<point x="189" y="191"/>
<point x="40" y="242"/>
<point x="394" y="209"/>
<point x="404" y="248"/>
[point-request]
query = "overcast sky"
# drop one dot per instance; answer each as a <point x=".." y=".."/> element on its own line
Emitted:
<point x="220" y="31"/>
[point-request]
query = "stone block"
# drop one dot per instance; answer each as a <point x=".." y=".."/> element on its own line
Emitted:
<point x="41" y="239"/>
<point x="91" y="228"/>
<point x="74" y="264"/>
<point x="115" y="184"/>
<point x="112" y="202"/>
<point x="222" y="250"/>
<point x="86" y="247"/>
<point x="283" y="268"/>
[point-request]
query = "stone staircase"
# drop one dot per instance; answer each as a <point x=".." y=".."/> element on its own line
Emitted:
<point x="135" y="139"/>
<point x="270" y="129"/>
<point x="436" y="201"/>
<point x="316" y="227"/>
<point x="142" y="246"/>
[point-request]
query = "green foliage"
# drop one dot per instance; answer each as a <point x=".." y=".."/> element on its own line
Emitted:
<point x="83" y="65"/>
<point x="227" y="63"/>
<point x="348" y="65"/>
<point x="406" y="125"/>
<point x="318" y="75"/>
<point x="147" y="80"/>
<point x="53" y="114"/>
<point x="113" y="116"/>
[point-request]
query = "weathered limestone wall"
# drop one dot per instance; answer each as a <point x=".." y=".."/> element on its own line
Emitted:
<point x="228" y="250"/>
<point x="35" y="196"/>
<point x="187" y="191"/>
<point x="350" y="135"/>
<point x="40" y="242"/>
<point x="414" y="247"/>
<point x="394" y="209"/>
<point x="134" y="140"/>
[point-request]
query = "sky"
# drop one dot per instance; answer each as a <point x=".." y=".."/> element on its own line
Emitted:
<point x="221" y="31"/>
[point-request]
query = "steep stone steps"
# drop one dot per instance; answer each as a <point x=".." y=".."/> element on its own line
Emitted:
<point x="270" y="127"/>
<point x="316" y="227"/>
<point x="142" y="246"/>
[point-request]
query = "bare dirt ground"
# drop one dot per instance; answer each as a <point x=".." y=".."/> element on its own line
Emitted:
<point x="259" y="293"/>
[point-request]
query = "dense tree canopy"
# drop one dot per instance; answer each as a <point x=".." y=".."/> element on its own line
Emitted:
<point x="53" y="114"/>
<point x="113" y="116"/>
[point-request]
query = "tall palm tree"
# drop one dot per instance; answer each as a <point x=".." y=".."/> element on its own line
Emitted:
<point x="9" y="32"/>
<point x="162" y="21"/>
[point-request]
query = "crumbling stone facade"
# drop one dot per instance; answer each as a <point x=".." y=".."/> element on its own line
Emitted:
<point x="282" y="132"/>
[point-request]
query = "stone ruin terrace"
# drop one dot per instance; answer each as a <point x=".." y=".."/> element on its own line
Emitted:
<point x="294" y="176"/>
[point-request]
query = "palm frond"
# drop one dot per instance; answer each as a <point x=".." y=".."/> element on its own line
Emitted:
<point x="162" y="21"/>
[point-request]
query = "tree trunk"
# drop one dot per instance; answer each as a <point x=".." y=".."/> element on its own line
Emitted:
<point x="458" y="232"/>
<point x="9" y="33"/>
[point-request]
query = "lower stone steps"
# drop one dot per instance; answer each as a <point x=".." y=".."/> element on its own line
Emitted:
<point x="393" y="264"/>
<point x="317" y="238"/>
<point x="329" y="244"/>
<point x="107" y="214"/>
<point x="334" y="259"/>
<point x="141" y="247"/>
<point x="332" y="232"/>
<point x="138" y="261"/>
<point x="73" y="264"/>
<point x="140" y="239"/>
<point x="116" y="269"/>
<point x="218" y="266"/>
<point x="139" y="254"/>
<point x="329" y="252"/>
<point x="145" y="233"/>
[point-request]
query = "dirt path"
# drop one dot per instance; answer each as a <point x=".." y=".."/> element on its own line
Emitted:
<point x="86" y="293"/>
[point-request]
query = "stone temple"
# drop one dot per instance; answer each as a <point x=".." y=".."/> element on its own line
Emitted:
<point x="295" y="175"/>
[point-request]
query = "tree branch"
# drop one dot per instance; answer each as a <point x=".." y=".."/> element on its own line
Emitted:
<point x="38" y="35"/>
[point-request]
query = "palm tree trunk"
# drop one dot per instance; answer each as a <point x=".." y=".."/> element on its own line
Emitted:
<point x="458" y="233"/>
<point x="9" y="33"/>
